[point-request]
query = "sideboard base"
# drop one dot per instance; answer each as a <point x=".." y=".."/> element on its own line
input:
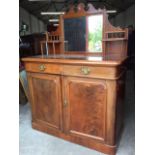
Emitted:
<point x="98" y="146"/>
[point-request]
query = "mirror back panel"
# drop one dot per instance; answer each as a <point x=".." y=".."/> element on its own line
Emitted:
<point x="88" y="33"/>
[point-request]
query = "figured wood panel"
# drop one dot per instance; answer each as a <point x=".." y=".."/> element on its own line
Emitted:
<point x="87" y="101"/>
<point x="45" y="91"/>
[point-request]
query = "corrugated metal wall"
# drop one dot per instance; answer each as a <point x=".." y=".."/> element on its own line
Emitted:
<point x="35" y="25"/>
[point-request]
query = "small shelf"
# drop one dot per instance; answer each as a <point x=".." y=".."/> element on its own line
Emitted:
<point x="56" y="41"/>
<point x="115" y="39"/>
<point x="115" y="32"/>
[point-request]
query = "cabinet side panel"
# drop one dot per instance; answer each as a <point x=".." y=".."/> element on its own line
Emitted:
<point x="111" y="112"/>
<point x="120" y="105"/>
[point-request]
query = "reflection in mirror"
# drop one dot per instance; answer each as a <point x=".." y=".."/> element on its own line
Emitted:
<point x="83" y="34"/>
<point x="95" y="24"/>
<point x="75" y="30"/>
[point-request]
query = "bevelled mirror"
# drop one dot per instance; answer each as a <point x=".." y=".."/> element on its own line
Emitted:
<point x="83" y="32"/>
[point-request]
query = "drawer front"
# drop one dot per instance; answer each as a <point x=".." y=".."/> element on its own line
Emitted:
<point x="73" y="70"/>
<point x="43" y="68"/>
<point x="90" y="71"/>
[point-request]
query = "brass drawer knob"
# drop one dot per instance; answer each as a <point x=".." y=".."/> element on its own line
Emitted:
<point x="42" y="67"/>
<point x="65" y="103"/>
<point x="85" y="70"/>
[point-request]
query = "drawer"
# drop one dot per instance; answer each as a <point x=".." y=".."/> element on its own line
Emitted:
<point x="91" y="71"/>
<point x="43" y="68"/>
<point x="73" y="70"/>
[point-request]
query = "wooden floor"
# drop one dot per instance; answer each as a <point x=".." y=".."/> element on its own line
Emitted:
<point x="33" y="142"/>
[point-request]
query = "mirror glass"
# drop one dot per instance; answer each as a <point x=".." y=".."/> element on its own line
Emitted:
<point x="75" y="31"/>
<point x="83" y="34"/>
<point x="95" y="33"/>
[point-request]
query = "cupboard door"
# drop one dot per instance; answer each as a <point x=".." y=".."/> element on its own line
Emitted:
<point x="46" y="100"/>
<point x="84" y="112"/>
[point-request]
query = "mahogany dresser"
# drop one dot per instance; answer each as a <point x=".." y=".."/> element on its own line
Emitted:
<point x="77" y="88"/>
<point x="78" y="98"/>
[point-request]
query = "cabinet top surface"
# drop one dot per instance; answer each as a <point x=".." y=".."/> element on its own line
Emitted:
<point x="113" y="60"/>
